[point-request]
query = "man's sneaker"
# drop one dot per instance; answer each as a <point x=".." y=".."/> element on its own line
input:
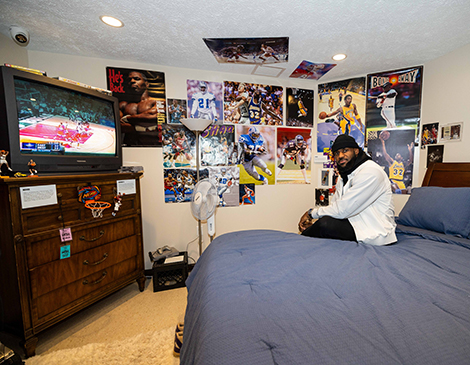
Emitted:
<point x="178" y="344"/>
<point x="179" y="327"/>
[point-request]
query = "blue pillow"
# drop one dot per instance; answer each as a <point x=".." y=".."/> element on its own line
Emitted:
<point x="445" y="210"/>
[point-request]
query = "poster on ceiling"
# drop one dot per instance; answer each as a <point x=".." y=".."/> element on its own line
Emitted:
<point x="249" y="50"/>
<point x="257" y="104"/>
<point x="394" y="99"/>
<point x="293" y="156"/>
<point x="341" y="110"/>
<point x="142" y="104"/>
<point x="205" y="100"/>
<point x="311" y="71"/>
<point x="299" y="111"/>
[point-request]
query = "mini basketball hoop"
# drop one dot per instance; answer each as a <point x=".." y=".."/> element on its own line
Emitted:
<point x="97" y="208"/>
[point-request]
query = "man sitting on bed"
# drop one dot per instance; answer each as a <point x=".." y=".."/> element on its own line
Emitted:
<point x="361" y="209"/>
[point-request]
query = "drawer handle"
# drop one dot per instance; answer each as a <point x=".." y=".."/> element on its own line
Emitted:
<point x="105" y="256"/>
<point x="86" y="282"/>
<point x="82" y="238"/>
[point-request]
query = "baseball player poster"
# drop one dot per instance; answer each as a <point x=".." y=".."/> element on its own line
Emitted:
<point x="256" y="104"/>
<point x="249" y="50"/>
<point x="205" y="100"/>
<point x="299" y="107"/>
<point x="341" y="110"/>
<point x="394" y="99"/>
<point x="256" y="154"/>
<point x="142" y="100"/>
<point x="293" y="156"/>
<point x="393" y="150"/>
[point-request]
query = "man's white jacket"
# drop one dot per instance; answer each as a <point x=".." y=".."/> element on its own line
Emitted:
<point x="366" y="200"/>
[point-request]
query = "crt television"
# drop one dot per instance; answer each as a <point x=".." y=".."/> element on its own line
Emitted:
<point x="62" y="127"/>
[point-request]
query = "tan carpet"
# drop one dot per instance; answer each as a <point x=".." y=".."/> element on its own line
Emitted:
<point x="128" y="327"/>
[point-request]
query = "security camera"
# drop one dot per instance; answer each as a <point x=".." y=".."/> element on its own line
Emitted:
<point x="19" y="35"/>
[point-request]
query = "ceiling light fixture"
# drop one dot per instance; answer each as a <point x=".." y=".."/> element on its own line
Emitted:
<point x="339" y="57"/>
<point x="113" y="22"/>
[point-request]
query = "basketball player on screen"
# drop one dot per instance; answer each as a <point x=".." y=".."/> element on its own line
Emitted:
<point x="386" y="101"/>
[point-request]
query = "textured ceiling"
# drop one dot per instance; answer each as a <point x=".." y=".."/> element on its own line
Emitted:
<point x="376" y="35"/>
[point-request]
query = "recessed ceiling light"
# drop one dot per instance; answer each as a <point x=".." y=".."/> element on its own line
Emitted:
<point x="111" y="21"/>
<point x="339" y="57"/>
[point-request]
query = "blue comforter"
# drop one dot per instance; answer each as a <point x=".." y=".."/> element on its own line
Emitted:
<point x="268" y="297"/>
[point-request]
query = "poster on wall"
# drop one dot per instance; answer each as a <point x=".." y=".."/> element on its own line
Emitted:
<point x="205" y="100"/>
<point x="256" y="104"/>
<point x="394" y="99"/>
<point x="393" y="150"/>
<point x="179" y="146"/>
<point x="322" y="197"/>
<point x="451" y="132"/>
<point x="226" y="181"/>
<point x="217" y="145"/>
<point x="142" y="104"/>
<point x="249" y="50"/>
<point x="176" y="110"/>
<point x="256" y="154"/>
<point x="435" y="154"/>
<point x="293" y="156"/>
<point x="429" y="134"/>
<point x="247" y="194"/>
<point x="179" y="184"/>
<point x="299" y="111"/>
<point x="311" y="70"/>
<point x="341" y="110"/>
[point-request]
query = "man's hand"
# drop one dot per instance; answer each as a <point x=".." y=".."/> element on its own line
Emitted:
<point x="305" y="221"/>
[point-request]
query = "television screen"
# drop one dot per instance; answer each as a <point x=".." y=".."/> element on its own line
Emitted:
<point x="58" y="121"/>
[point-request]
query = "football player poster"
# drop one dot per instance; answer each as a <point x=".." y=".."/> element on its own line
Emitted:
<point x="217" y="146"/>
<point x="341" y="110"/>
<point x="293" y="156"/>
<point x="311" y="70"/>
<point x="179" y="146"/>
<point x="205" y="100"/>
<point x="179" y="184"/>
<point x="249" y="50"/>
<point x="299" y="107"/>
<point x="394" y="99"/>
<point x="226" y="181"/>
<point x="142" y="100"/>
<point x="256" y="154"/>
<point x="256" y="104"/>
<point x="176" y="110"/>
<point x="393" y="150"/>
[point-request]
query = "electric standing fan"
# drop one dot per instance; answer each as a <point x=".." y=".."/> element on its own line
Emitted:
<point x="204" y="200"/>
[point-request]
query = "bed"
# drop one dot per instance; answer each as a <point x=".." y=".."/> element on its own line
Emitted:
<point x="268" y="297"/>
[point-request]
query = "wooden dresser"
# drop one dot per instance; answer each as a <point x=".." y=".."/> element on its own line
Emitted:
<point x="38" y="288"/>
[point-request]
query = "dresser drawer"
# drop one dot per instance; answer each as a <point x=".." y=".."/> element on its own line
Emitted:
<point x="51" y="276"/>
<point x="75" y="293"/>
<point x="45" y="248"/>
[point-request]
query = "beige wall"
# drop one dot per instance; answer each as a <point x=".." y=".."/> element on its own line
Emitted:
<point x="277" y="207"/>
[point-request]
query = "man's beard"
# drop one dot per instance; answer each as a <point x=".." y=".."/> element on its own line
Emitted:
<point x="348" y="166"/>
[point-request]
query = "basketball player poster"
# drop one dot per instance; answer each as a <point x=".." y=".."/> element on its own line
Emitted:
<point x="205" y="100"/>
<point x="217" y="146"/>
<point x="142" y="100"/>
<point x="179" y="184"/>
<point x="176" y="110"/>
<point x="247" y="194"/>
<point x="393" y="149"/>
<point x="249" y="50"/>
<point x="299" y="107"/>
<point x="255" y="104"/>
<point x="311" y="70"/>
<point x="341" y="110"/>
<point x="179" y="146"/>
<point x="293" y="156"/>
<point x="394" y="99"/>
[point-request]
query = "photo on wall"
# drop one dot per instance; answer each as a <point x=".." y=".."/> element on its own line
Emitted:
<point x="293" y="156"/>
<point x="429" y="134"/>
<point x="451" y="132"/>
<point x="341" y="110"/>
<point x="394" y="99"/>
<point x="247" y="194"/>
<point x="179" y="146"/>
<point x="179" y="184"/>
<point x="393" y="150"/>
<point x="226" y="180"/>
<point x="217" y="146"/>
<point x="205" y="100"/>
<point x="256" y="154"/>
<point x="322" y="197"/>
<point x="249" y="50"/>
<point x="435" y="154"/>
<point x="257" y="104"/>
<point x="299" y="111"/>
<point x="142" y="105"/>
<point x="177" y="110"/>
